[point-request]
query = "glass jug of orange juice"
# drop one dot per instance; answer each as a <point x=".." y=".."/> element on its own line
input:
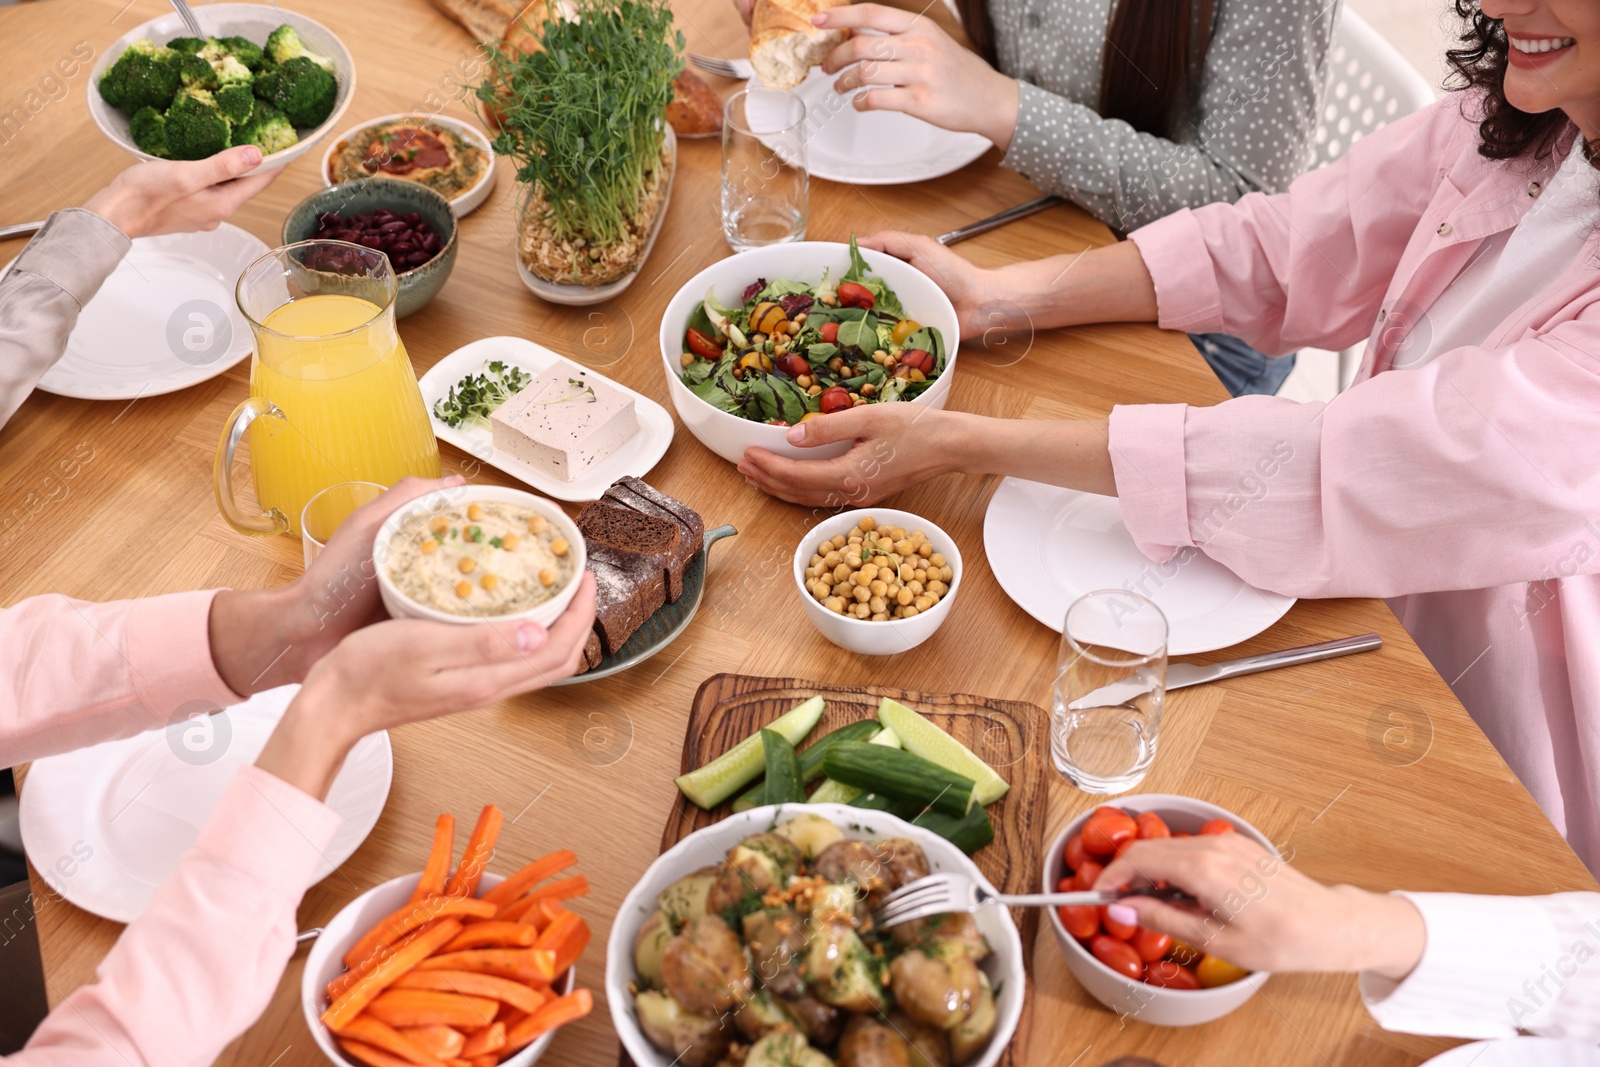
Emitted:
<point x="332" y="394"/>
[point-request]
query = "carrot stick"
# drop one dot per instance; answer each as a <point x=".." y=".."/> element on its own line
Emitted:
<point x="560" y="889"/>
<point x="558" y="1012"/>
<point x="522" y="880"/>
<point x="373" y="1057"/>
<point x="489" y="1060"/>
<point x="437" y="869"/>
<point x="386" y="970"/>
<point x="518" y="964"/>
<point x="567" y="936"/>
<point x="343" y="982"/>
<point x="480" y="846"/>
<point x="412" y="917"/>
<point x="440" y="1041"/>
<point x="493" y="934"/>
<point x="366" y="1030"/>
<point x="548" y="909"/>
<point x="491" y="1038"/>
<point x="472" y="984"/>
<point x="511" y="1015"/>
<point x="410" y="1008"/>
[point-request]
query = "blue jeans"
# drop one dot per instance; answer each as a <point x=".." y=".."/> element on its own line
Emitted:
<point x="1241" y="368"/>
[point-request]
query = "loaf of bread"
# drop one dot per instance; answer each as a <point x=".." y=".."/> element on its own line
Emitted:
<point x="784" y="46"/>
<point x="694" y="110"/>
<point x="484" y="19"/>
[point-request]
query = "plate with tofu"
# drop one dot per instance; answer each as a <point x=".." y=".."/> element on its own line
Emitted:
<point x="564" y="429"/>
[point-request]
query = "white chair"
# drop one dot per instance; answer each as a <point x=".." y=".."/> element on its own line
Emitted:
<point x="1370" y="84"/>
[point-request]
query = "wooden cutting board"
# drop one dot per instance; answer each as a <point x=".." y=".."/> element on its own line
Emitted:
<point x="1010" y="735"/>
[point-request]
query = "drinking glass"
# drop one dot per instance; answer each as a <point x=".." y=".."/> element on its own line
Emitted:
<point x="326" y="512"/>
<point x="1111" y="680"/>
<point x="765" y="188"/>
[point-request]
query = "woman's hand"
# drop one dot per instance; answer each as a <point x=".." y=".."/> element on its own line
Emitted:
<point x="1257" y="912"/>
<point x="745" y="8"/>
<point x="974" y="292"/>
<point x="168" y="196"/>
<point x="408" y="670"/>
<point x="927" y="74"/>
<point x="895" y="446"/>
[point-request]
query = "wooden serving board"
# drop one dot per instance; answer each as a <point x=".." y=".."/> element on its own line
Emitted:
<point x="1010" y="735"/>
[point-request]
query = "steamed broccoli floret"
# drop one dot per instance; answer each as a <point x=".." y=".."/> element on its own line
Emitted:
<point x="187" y="45"/>
<point x="195" y="127"/>
<point x="235" y="102"/>
<point x="230" y="71"/>
<point x="245" y="51"/>
<point x="149" y="130"/>
<point x="146" y="75"/>
<point x="284" y="44"/>
<point x="195" y="72"/>
<point x="302" y="90"/>
<point x="267" y="129"/>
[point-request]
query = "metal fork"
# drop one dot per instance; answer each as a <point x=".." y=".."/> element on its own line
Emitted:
<point x="724" y="68"/>
<point x="952" y="891"/>
<point x="188" y="18"/>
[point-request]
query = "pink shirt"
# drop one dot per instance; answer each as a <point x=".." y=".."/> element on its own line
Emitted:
<point x="1467" y="491"/>
<point x="199" y="966"/>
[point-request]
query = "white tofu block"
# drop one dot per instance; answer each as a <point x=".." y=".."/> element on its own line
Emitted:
<point x="564" y="421"/>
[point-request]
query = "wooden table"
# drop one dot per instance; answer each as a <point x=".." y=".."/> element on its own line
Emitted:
<point x="1366" y="769"/>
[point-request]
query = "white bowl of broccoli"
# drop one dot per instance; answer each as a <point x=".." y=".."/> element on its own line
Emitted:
<point x="262" y="76"/>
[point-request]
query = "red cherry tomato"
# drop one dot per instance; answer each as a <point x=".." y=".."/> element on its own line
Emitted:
<point x="836" y="398"/>
<point x="1217" y="826"/>
<point x="1151" y="825"/>
<point x="1075" y="855"/>
<point x="1151" y="945"/>
<point x="830" y="332"/>
<point x="1118" y="955"/>
<point x="1106" y="829"/>
<point x="1120" y="931"/>
<point x="793" y="364"/>
<point x="1087" y="875"/>
<point x="1169" y="975"/>
<point x="919" y="359"/>
<point x="1081" y="921"/>
<point x="702" y="345"/>
<point x="1181" y="833"/>
<point x="853" y="295"/>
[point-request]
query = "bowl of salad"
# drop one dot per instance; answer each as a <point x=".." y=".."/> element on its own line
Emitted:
<point x="773" y="336"/>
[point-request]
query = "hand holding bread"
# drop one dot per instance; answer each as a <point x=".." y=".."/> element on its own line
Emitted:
<point x="785" y="45"/>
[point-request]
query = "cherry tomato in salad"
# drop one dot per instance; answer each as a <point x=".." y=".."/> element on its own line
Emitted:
<point x="1169" y="975"/>
<point x="855" y="295"/>
<point x="1087" y="875"/>
<point x="1214" y="971"/>
<point x="1074" y="853"/>
<point x="1151" y="945"/>
<point x="835" y="398"/>
<point x="1119" y="930"/>
<point x="1151" y="825"/>
<point x="903" y="329"/>
<point x="830" y="332"/>
<point x="702" y="345"/>
<point x="1106" y="829"/>
<point x="793" y="364"/>
<point x="918" y="359"/>
<point x="1118" y="955"/>
<point x="1217" y="826"/>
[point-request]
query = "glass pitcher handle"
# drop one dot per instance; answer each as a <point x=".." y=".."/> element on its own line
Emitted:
<point x="271" y="521"/>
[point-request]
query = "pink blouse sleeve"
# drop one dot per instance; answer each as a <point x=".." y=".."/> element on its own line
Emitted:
<point x="200" y="965"/>
<point x="74" y="673"/>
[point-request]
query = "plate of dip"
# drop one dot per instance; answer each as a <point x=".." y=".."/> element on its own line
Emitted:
<point x="451" y="157"/>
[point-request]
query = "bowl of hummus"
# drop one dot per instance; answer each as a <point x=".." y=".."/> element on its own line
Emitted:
<point x="479" y="554"/>
<point x="451" y="157"/>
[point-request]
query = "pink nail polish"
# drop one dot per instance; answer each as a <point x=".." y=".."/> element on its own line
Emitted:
<point x="1121" y="913"/>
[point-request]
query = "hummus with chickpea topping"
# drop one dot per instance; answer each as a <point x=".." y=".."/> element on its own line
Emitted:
<point x="488" y="558"/>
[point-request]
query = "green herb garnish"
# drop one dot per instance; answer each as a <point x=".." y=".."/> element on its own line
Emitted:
<point x="472" y="398"/>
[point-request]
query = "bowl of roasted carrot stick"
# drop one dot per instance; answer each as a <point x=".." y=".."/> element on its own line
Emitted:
<point x="453" y="965"/>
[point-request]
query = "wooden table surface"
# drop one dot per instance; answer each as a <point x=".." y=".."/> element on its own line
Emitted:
<point x="1365" y="770"/>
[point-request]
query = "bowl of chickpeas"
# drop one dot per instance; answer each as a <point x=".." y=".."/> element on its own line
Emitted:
<point x="877" y="581"/>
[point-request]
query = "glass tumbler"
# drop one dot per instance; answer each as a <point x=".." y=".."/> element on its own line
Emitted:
<point x="765" y="187"/>
<point x="326" y="512"/>
<point x="1111" y="681"/>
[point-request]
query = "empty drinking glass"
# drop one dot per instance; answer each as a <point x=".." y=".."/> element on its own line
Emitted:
<point x="325" y="512"/>
<point x="765" y="188"/>
<point x="1111" y="680"/>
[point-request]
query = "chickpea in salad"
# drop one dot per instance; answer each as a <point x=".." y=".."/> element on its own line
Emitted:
<point x="797" y="350"/>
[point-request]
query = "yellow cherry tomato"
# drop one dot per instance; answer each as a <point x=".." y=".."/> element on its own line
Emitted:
<point x="1214" y="971"/>
<point x="905" y="328"/>
<point x="1181" y="952"/>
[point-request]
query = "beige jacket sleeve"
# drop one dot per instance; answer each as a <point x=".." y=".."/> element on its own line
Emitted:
<point x="40" y="296"/>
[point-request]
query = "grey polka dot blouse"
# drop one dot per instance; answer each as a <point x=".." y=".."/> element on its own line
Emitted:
<point x="1250" y="126"/>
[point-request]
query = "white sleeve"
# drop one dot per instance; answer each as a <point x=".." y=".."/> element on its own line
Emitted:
<point x="1496" y="967"/>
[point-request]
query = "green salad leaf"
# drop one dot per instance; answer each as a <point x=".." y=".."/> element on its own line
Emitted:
<point x="782" y="287"/>
<point x="860" y="334"/>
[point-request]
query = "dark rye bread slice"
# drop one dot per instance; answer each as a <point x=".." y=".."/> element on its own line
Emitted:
<point x="629" y="588"/>
<point x="591" y="653"/>
<point x="608" y="524"/>
<point x="639" y="496"/>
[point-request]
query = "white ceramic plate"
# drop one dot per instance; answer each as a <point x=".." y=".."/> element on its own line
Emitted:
<point x="876" y="147"/>
<point x="1048" y="546"/>
<point x="1519" y="1052"/>
<point x="106" y="825"/>
<point x="463" y="203"/>
<point x="164" y="320"/>
<point x="637" y="455"/>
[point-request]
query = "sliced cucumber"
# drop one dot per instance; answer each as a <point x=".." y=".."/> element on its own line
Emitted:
<point x="832" y="792"/>
<point x="899" y="774"/>
<point x="969" y="832"/>
<point x="718" y="780"/>
<point x="784" y="784"/>
<point x="811" y="759"/>
<point x="923" y="738"/>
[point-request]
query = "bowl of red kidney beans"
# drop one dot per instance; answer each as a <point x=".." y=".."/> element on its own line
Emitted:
<point x="409" y="223"/>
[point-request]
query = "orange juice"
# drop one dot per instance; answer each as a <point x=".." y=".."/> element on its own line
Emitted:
<point x="336" y="367"/>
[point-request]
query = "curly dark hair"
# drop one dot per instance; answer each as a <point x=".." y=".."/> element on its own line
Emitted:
<point x="1480" y="63"/>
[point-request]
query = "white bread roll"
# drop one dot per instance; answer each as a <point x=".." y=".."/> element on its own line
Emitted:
<point x="784" y="46"/>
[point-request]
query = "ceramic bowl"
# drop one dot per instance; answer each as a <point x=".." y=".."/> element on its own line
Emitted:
<point x="1138" y="1000"/>
<point x="462" y="203"/>
<point x="805" y="261"/>
<point x="254" y="21"/>
<point x="324" y="962"/>
<point x="710" y="846"/>
<point x="416" y="286"/>
<point x="401" y="606"/>
<point x="860" y="635"/>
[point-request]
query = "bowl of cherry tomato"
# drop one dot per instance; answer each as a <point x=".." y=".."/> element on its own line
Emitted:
<point x="1137" y="972"/>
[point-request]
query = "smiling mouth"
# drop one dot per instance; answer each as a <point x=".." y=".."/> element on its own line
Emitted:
<point x="1537" y="45"/>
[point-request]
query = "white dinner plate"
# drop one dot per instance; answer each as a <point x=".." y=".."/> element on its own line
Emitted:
<point x="1520" y="1052"/>
<point x="876" y="147"/>
<point x="106" y="825"/>
<point x="637" y="455"/>
<point x="164" y="320"/>
<point x="1048" y="546"/>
